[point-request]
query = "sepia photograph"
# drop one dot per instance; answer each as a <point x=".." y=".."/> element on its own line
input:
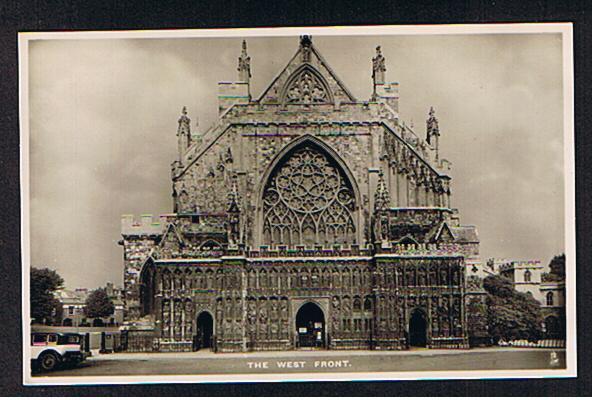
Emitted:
<point x="298" y="204"/>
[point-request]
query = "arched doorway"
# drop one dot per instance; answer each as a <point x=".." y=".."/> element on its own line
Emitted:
<point x="310" y="326"/>
<point x="204" y="331"/>
<point x="418" y="329"/>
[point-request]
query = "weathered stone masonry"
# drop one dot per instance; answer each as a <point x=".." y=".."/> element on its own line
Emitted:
<point x="303" y="199"/>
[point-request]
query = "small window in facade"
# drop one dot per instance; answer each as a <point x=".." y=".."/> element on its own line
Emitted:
<point x="71" y="310"/>
<point x="550" y="298"/>
<point x="527" y="276"/>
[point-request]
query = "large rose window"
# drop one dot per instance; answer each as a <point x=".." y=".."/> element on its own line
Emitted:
<point x="308" y="200"/>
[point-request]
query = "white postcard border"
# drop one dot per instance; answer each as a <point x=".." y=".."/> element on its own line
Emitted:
<point x="565" y="29"/>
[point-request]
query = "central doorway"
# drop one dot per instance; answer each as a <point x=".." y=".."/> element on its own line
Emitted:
<point x="204" y="332"/>
<point x="310" y="326"/>
<point x="418" y="329"/>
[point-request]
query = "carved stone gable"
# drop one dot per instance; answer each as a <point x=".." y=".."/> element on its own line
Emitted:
<point x="306" y="86"/>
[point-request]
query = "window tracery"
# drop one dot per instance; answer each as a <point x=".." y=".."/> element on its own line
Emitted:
<point x="308" y="200"/>
<point x="307" y="88"/>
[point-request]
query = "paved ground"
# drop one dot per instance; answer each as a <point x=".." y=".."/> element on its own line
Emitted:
<point x="205" y="362"/>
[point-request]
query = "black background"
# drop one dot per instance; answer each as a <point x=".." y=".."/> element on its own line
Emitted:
<point x="72" y="15"/>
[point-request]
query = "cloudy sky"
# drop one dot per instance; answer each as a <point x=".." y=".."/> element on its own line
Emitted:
<point x="103" y="118"/>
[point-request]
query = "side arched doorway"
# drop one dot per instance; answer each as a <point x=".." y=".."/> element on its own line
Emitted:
<point x="418" y="329"/>
<point x="310" y="326"/>
<point x="204" y="331"/>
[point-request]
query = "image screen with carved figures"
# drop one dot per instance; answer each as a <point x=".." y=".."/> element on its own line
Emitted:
<point x="298" y="204"/>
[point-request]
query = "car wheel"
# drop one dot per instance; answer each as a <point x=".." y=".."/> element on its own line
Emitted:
<point x="48" y="362"/>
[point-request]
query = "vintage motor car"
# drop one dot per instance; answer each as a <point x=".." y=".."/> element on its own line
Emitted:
<point x="51" y="350"/>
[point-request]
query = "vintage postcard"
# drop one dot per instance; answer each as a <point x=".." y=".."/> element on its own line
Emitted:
<point x="289" y="204"/>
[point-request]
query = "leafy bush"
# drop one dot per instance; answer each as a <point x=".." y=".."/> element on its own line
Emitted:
<point x="511" y="314"/>
<point x="43" y="284"/>
<point x="98" y="304"/>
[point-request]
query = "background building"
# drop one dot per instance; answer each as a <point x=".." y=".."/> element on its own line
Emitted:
<point x="526" y="275"/>
<point x="73" y="304"/>
<point x="548" y="289"/>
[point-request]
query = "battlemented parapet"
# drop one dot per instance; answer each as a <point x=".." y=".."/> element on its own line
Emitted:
<point x="505" y="265"/>
<point x="422" y="249"/>
<point x="147" y="225"/>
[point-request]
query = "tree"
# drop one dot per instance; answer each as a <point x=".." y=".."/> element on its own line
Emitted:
<point x="557" y="266"/>
<point x="511" y="314"/>
<point x="98" y="304"/>
<point x="44" y="283"/>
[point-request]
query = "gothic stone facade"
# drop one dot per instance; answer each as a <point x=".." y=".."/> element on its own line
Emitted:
<point x="304" y="217"/>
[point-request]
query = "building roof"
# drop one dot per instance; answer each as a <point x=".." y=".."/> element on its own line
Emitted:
<point x="72" y="297"/>
<point x="296" y="62"/>
<point x="465" y="233"/>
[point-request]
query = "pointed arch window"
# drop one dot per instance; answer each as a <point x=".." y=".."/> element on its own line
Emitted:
<point x="550" y="298"/>
<point x="308" y="200"/>
<point x="306" y="86"/>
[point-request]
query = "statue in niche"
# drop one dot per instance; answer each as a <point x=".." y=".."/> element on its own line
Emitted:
<point x="422" y="277"/>
<point x="166" y="315"/>
<point x="252" y="312"/>
<point x="346" y="306"/>
<point x="274" y="329"/>
<point x="263" y="312"/>
<point x="457" y="326"/>
<point x="455" y="277"/>
<point x="284" y="308"/>
<point x="444" y="276"/>
<point x="410" y="276"/>
<point x="335" y="303"/>
<point x="274" y="309"/>
<point x="228" y="306"/>
<point x="252" y="279"/>
<point x="336" y="279"/>
<point x="433" y="280"/>
<point x="335" y="322"/>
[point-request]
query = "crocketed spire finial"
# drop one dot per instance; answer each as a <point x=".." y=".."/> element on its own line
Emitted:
<point x="183" y="133"/>
<point x="234" y="196"/>
<point x="382" y="196"/>
<point x="305" y="45"/>
<point x="432" y="128"/>
<point x="244" y="64"/>
<point x="378" y="67"/>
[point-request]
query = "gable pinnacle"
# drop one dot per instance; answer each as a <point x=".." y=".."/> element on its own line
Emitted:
<point x="305" y="45"/>
<point x="234" y="196"/>
<point x="378" y="67"/>
<point x="244" y="64"/>
<point x="382" y="196"/>
<point x="305" y="40"/>
<point x="432" y="128"/>
<point x="184" y="122"/>
<point x="183" y="134"/>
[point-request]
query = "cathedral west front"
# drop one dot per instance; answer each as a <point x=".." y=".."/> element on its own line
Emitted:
<point x="303" y="218"/>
